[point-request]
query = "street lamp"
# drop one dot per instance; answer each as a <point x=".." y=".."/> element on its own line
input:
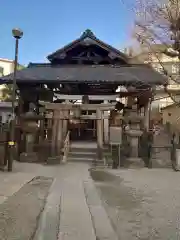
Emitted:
<point x="17" y="34"/>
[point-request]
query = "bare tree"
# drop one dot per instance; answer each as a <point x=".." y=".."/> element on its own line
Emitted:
<point x="158" y="22"/>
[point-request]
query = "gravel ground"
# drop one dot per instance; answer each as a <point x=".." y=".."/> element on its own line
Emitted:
<point x="142" y="204"/>
<point x="19" y="214"/>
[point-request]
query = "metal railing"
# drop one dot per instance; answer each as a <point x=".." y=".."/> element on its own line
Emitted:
<point x="66" y="147"/>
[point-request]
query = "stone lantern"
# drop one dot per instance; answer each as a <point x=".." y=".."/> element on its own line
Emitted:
<point x="133" y="132"/>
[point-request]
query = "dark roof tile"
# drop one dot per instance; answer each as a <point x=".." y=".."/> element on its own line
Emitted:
<point x="94" y="74"/>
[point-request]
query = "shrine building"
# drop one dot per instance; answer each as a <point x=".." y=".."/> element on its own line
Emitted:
<point x="86" y="87"/>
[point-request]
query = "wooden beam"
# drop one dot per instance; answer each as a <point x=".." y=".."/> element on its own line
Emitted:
<point x="91" y="97"/>
<point x="60" y="106"/>
<point x="82" y="117"/>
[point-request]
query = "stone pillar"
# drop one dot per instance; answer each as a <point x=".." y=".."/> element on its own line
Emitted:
<point x="147" y="110"/>
<point x="134" y="146"/>
<point x="65" y="121"/>
<point x="41" y="130"/>
<point x="99" y="133"/>
<point x="106" y="125"/>
<point x="49" y="129"/>
<point x="54" y="130"/>
<point x="133" y="132"/>
<point x="32" y="127"/>
<point x="130" y="101"/>
<point x="60" y="131"/>
<point x="29" y="142"/>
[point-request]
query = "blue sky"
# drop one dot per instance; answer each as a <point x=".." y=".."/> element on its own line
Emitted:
<point x="48" y="25"/>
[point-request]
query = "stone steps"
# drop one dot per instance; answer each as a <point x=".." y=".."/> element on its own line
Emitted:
<point x="88" y="153"/>
<point x="85" y="154"/>
<point x="82" y="154"/>
<point x="83" y="150"/>
<point x="78" y="159"/>
<point x="79" y="154"/>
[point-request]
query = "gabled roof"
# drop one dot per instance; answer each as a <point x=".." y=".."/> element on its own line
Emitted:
<point x="89" y="34"/>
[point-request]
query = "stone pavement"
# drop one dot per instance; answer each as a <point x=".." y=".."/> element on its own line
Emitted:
<point x="141" y="203"/>
<point x="19" y="214"/>
<point x="73" y="208"/>
<point x="10" y="183"/>
<point x="75" y="218"/>
<point x="81" y="215"/>
<point x="120" y="204"/>
<point x="22" y="173"/>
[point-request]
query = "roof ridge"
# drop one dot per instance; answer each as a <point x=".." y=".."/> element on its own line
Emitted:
<point x="88" y="33"/>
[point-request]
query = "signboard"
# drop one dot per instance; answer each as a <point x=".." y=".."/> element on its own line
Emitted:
<point x="115" y="135"/>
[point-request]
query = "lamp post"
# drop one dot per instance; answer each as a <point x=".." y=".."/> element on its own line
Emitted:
<point x="17" y="34"/>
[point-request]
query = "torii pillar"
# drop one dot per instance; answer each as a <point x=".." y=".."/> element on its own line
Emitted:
<point x="57" y="133"/>
<point x="106" y="125"/>
<point x="99" y="133"/>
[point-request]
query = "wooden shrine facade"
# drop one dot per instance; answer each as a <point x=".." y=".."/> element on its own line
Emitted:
<point x="85" y="67"/>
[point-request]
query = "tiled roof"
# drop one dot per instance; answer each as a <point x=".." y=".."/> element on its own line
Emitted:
<point x="93" y="74"/>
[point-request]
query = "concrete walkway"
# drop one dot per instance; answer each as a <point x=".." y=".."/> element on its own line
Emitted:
<point x="75" y="218"/>
<point x="66" y="215"/>
<point x="73" y="207"/>
<point x="82" y="214"/>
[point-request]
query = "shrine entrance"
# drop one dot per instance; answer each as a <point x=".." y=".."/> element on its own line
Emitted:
<point x="75" y="94"/>
<point x="71" y="119"/>
<point x="83" y="130"/>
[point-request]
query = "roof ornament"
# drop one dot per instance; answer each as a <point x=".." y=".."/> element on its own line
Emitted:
<point x="88" y="33"/>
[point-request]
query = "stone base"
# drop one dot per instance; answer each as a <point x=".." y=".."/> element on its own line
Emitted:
<point x="134" y="163"/>
<point x="29" y="157"/>
<point x="161" y="163"/>
<point x="98" y="162"/>
<point x="54" y="160"/>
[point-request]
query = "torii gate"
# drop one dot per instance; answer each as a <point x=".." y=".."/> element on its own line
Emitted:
<point x="61" y="115"/>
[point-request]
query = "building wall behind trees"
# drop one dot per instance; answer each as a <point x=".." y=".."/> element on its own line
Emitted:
<point x="6" y="66"/>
